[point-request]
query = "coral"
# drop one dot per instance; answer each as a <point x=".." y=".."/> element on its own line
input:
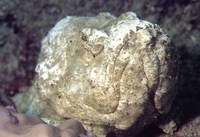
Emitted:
<point x="107" y="72"/>
<point x="14" y="124"/>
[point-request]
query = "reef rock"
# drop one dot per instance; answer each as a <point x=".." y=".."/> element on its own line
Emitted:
<point x="106" y="71"/>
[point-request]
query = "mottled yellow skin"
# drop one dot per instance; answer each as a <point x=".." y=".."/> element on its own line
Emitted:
<point x="107" y="71"/>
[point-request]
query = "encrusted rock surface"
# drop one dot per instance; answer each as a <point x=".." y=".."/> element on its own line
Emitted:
<point x="108" y="72"/>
